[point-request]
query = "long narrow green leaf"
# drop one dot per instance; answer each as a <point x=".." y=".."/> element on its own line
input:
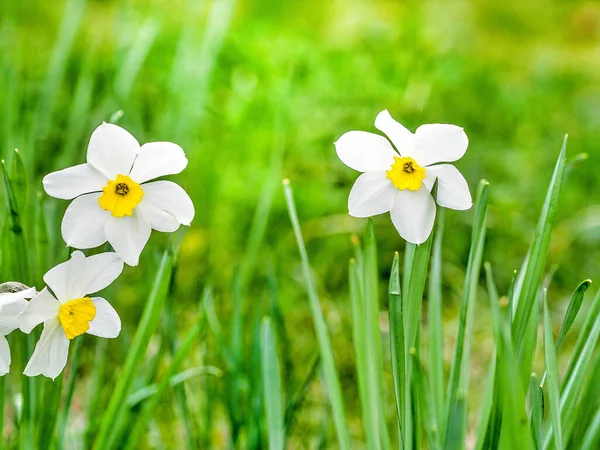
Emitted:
<point x="97" y="383"/>
<point x="397" y="345"/>
<point x="459" y="379"/>
<point x="426" y="403"/>
<point x="436" y="330"/>
<point x="589" y="401"/>
<point x="148" y="324"/>
<point x="488" y="431"/>
<point x="20" y="260"/>
<point x="489" y="408"/>
<point x="572" y="311"/>
<point x="536" y="400"/>
<point x="533" y="271"/>
<point x="552" y="371"/>
<point x="359" y="335"/>
<point x="509" y="394"/>
<point x="70" y="389"/>
<point x="329" y="371"/>
<point x="176" y="380"/>
<point x="143" y="418"/>
<point x="273" y="391"/>
<point x="573" y="383"/>
<point x="592" y="435"/>
<point x="373" y="333"/>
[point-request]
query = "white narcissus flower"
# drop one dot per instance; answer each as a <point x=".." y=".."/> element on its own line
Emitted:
<point x="113" y="200"/>
<point x="68" y="311"/>
<point x="400" y="180"/>
<point x="11" y="306"/>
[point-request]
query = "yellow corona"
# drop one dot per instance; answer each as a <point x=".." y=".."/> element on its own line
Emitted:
<point x="75" y="316"/>
<point x="406" y="174"/>
<point x="121" y="196"/>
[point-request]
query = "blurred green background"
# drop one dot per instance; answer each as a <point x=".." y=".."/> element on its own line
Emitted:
<point x="255" y="91"/>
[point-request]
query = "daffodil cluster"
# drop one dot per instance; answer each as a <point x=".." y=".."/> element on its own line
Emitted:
<point x="114" y="201"/>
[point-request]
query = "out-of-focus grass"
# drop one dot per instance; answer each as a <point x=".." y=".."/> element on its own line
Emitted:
<point x="236" y="82"/>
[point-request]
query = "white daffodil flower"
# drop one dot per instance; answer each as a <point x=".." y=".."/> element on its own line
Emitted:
<point x="68" y="312"/>
<point x="113" y="200"/>
<point x="400" y="180"/>
<point x="11" y="306"/>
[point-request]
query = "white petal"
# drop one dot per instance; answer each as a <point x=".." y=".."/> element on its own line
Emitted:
<point x="106" y="323"/>
<point x="51" y="351"/>
<point x="42" y="307"/>
<point x="4" y="356"/>
<point x="401" y="137"/>
<point x="84" y="221"/>
<point x="65" y="279"/>
<point x="365" y="152"/>
<point x="452" y="188"/>
<point x="438" y="142"/>
<point x="170" y="197"/>
<point x="159" y="219"/>
<point x="157" y="159"/>
<point x="74" y="181"/>
<point x="413" y="214"/>
<point x="112" y="150"/>
<point x="11" y="306"/>
<point x="371" y="194"/>
<point x="100" y="271"/>
<point x="128" y="236"/>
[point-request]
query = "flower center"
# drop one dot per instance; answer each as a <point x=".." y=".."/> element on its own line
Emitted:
<point x="121" y="196"/>
<point x="75" y="316"/>
<point x="406" y="174"/>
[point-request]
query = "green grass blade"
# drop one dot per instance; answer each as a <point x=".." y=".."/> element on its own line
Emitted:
<point x="418" y="274"/>
<point x="416" y="261"/>
<point x="329" y="371"/>
<point x="143" y="418"/>
<point x="70" y="390"/>
<point x="536" y="400"/>
<point x="488" y="410"/>
<point x="397" y="345"/>
<point x="592" y="435"/>
<point x="215" y="328"/>
<point x="97" y="383"/>
<point x="272" y="388"/>
<point x="458" y="383"/>
<point x="21" y="271"/>
<point x="373" y="332"/>
<point x="135" y="57"/>
<point x="488" y="431"/>
<point x="135" y="356"/>
<point x="583" y="339"/>
<point x="409" y="256"/>
<point x="301" y="392"/>
<point x="436" y="330"/>
<point x="552" y="371"/>
<point x="426" y="403"/>
<point x="508" y="411"/>
<point x="19" y="180"/>
<point x="574" y="382"/>
<point x="529" y="345"/>
<point x="533" y="272"/>
<point x="572" y="311"/>
<point x="575" y="428"/>
<point x="176" y="380"/>
<point x="359" y="335"/>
